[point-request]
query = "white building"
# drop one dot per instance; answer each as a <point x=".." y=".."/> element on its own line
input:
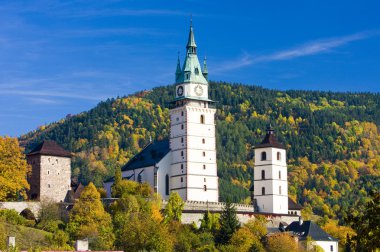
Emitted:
<point x="270" y="176"/>
<point x="186" y="163"/>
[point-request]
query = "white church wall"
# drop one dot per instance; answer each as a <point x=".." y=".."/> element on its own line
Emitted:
<point x="201" y="195"/>
<point x="327" y="246"/>
<point x="207" y="169"/>
<point x="163" y="169"/>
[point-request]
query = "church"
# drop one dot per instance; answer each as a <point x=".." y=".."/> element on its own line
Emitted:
<point x="186" y="162"/>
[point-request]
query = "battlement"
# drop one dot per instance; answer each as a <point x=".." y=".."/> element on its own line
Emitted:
<point x="211" y="206"/>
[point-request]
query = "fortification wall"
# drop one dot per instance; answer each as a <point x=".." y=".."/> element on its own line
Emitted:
<point x="34" y="206"/>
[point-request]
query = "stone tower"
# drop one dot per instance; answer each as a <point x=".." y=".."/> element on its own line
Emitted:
<point x="193" y="172"/>
<point x="51" y="172"/>
<point x="270" y="176"/>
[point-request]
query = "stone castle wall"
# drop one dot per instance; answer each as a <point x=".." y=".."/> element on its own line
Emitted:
<point x="34" y="206"/>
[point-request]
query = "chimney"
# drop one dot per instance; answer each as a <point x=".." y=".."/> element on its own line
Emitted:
<point x="81" y="245"/>
<point x="300" y="221"/>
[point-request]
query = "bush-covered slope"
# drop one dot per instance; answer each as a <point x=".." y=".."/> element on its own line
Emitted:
<point x="332" y="139"/>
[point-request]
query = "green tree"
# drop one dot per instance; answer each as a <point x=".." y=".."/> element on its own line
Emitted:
<point x="366" y="224"/>
<point x="13" y="170"/>
<point x="174" y="207"/>
<point x="210" y="222"/>
<point x="229" y="223"/>
<point x="88" y="219"/>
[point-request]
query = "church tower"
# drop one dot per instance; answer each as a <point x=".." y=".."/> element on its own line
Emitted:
<point x="193" y="172"/>
<point x="270" y="176"/>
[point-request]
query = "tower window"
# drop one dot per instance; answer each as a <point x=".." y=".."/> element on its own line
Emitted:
<point x="181" y="166"/>
<point x="203" y="141"/>
<point x="181" y="139"/>
<point x="182" y="113"/>
<point x="139" y="178"/>
<point x="204" y="167"/>
<point x="205" y="188"/>
<point x="181" y="153"/>
<point x="48" y="172"/>
<point x="196" y="71"/>
<point x="167" y="184"/>
<point x="181" y="179"/>
<point x="278" y="155"/>
<point x="262" y="174"/>
<point x="204" y="154"/>
<point x="202" y="119"/>
<point x="263" y="155"/>
<point x="279" y="174"/>
<point x="48" y="185"/>
<point x="263" y="190"/>
<point x="279" y="190"/>
<point x="181" y="126"/>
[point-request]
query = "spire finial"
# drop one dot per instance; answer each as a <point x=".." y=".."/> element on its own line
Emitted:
<point x="191" y="20"/>
<point x="270" y="129"/>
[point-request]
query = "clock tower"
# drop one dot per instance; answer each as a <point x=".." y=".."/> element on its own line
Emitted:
<point x="193" y="172"/>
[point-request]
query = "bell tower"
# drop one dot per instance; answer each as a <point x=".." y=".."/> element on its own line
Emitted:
<point x="270" y="175"/>
<point x="193" y="172"/>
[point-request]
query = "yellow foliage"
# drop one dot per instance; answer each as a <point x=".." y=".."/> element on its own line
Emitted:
<point x="13" y="170"/>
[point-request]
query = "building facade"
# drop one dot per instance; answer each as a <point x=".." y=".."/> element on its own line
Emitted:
<point x="270" y="176"/>
<point x="50" y="178"/>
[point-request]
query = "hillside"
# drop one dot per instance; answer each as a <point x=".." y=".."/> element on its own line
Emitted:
<point x="333" y="139"/>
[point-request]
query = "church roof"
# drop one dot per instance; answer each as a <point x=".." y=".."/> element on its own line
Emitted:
<point x="309" y="228"/>
<point x="50" y="148"/>
<point x="270" y="140"/>
<point x="150" y="155"/>
<point x="293" y="205"/>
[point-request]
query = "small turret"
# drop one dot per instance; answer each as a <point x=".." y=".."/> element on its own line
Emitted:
<point x="178" y="71"/>
<point x="191" y="46"/>
<point x="205" y="71"/>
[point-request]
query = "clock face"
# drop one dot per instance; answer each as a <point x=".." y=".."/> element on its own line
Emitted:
<point x="198" y="90"/>
<point x="180" y="91"/>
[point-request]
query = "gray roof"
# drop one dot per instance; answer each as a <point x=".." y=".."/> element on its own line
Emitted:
<point x="150" y="155"/>
<point x="309" y="228"/>
<point x="293" y="205"/>
<point x="50" y="148"/>
<point x="270" y="140"/>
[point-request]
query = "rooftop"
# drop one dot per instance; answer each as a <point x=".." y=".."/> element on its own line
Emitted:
<point x="293" y="205"/>
<point x="270" y="140"/>
<point x="50" y="148"/>
<point x="309" y="228"/>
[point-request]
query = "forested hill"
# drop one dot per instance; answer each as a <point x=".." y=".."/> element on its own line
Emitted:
<point x="332" y="139"/>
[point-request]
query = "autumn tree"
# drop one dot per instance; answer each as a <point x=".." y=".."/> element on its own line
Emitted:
<point x="13" y="170"/>
<point x="174" y="207"/>
<point x="88" y="219"/>
<point x="281" y="242"/>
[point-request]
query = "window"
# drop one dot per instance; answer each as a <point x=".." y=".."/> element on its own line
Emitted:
<point x="139" y="178"/>
<point x="205" y="188"/>
<point x="278" y="155"/>
<point x="181" y="126"/>
<point x="167" y="184"/>
<point x="196" y="71"/>
<point x="181" y="153"/>
<point x="204" y="180"/>
<point x="204" y="167"/>
<point x="279" y="174"/>
<point x="263" y="190"/>
<point x="181" y="139"/>
<point x="331" y="248"/>
<point x="182" y="113"/>
<point x="181" y="179"/>
<point x="48" y="172"/>
<point x="263" y="155"/>
<point x="177" y="119"/>
<point x="203" y="141"/>
<point x="202" y="119"/>
<point x="182" y="166"/>
<point x="48" y="185"/>
<point x="262" y="174"/>
<point x="279" y="190"/>
<point x="204" y="154"/>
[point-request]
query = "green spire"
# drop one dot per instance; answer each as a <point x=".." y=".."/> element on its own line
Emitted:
<point x="205" y="71"/>
<point x="191" y="46"/>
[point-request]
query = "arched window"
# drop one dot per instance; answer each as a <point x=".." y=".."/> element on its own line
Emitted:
<point x="204" y="154"/>
<point x="204" y="167"/>
<point x="167" y="184"/>
<point x="279" y="190"/>
<point x="278" y="155"/>
<point x="262" y="174"/>
<point x="181" y="179"/>
<point x="279" y="174"/>
<point x="263" y="155"/>
<point x="263" y="190"/>
<point x="205" y="188"/>
<point x="202" y="119"/>
<point x="203" y="141"/>
<point x="181" y="139"/>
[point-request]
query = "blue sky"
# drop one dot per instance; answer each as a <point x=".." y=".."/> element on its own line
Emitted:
<point x="63" y="57"/>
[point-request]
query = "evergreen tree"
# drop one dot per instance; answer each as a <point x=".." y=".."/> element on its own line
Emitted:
<point x="174" y="207"/>
<point x="229" y="223"/>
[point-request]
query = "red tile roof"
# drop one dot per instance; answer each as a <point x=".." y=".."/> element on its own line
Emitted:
<point x="50" y="148"/>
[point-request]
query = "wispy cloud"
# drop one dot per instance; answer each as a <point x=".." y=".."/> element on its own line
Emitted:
<point x="308" y="49"/>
